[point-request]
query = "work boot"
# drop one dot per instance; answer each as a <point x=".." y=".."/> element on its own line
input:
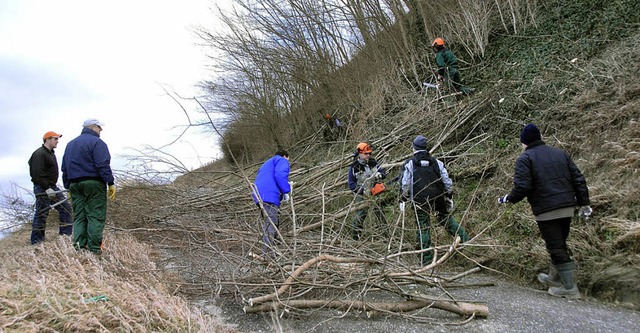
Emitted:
<point x="569" y="288"/>
<point x="552" y="279"/>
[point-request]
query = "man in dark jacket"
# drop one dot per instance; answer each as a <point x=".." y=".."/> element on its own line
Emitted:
<point x="554" y="186"/>
<point x="448" y="67"/>
<point x="43" y="167"/>
<point x="86" y="172"/>
<point x="363" y="175"/>
<point x="271" y="188"/>
<point x="426" y="183"/>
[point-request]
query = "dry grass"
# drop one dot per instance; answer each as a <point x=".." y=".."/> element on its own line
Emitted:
<point x="50" y="287"/>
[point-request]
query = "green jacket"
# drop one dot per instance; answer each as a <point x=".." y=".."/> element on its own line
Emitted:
<point x="445" y="60"/>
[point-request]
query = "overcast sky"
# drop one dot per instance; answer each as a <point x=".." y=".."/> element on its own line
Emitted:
<point x="64" y="61"/>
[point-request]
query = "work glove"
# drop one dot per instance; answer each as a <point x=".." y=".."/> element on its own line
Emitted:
<point x="50" y="193"/>
<point x="111" y="192"/>
<point x="378" y="176"/>
<point x="402" y="205"/>
<point x="585" y="211"/>
<point x="285" y="197"/>
<point x="503" y="199"/>
<point x="449" y="202"/>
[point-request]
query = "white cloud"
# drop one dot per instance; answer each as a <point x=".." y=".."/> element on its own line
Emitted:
<point x="68" y="60"/>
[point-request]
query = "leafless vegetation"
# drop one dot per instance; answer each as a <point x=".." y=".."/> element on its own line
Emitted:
<point x="52" y="288"/>
<point x="282" y="65"/>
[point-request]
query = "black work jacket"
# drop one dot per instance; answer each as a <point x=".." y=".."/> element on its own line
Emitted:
<point x="549" y="179"/>
<point x="43" y="167"/>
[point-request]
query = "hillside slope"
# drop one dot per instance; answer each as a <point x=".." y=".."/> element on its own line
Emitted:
<point x="573" y="72"/>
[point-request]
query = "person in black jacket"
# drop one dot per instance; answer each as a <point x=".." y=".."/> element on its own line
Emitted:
<point x="43" y="168"/>
<point x="554" y="186"/>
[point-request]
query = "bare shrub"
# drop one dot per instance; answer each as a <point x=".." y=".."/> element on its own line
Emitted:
<point x="52" y="287"/>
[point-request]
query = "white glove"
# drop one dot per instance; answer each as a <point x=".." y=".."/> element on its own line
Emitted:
<point x="285" y="197"/>
<point x="585" y="211"/>
<point x="503" y="199"/>
<point x="378" y="176"/>
<point x="449" y="202"/>
<point x="402" y="205"/>
<point x="50" y="193"/>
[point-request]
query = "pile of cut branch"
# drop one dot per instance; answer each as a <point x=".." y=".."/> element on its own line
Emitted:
<point x="215" y="234"/>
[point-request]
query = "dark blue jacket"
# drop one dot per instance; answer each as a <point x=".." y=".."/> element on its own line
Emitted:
<point x="86" y="157"/>
<point x="272" y="180"/>
<point x="549" y="180"/>
<point x="361" y="174"/>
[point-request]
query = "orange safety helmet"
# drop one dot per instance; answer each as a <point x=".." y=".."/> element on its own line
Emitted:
<point x="363" y="147"/>
<point x="327" y="116"/>
<point x="438" y="42"/>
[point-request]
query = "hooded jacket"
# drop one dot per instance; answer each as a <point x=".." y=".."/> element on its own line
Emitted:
<point x="86" y="158"/>
<point x="272" y="180"/>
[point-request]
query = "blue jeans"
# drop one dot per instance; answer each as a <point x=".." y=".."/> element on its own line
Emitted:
<point x="43" y="205"/>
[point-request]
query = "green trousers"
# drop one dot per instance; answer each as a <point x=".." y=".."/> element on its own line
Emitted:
<point x="357" y="224"/>
<point x="423" y="233"/>
<point x="89" y="201"/>
<point x="453" y="80"/>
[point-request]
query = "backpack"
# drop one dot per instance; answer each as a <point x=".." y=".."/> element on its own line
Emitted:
<point x="427" y="182"/>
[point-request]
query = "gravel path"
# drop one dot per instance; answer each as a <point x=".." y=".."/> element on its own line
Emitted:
<point x="512" y="308"/>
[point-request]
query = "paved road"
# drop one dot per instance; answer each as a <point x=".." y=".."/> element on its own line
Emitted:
<point x="512" y="309"/>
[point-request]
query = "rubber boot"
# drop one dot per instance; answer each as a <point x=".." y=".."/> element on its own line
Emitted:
<point x="569" y="288"/>
<point x="552" y="279"/>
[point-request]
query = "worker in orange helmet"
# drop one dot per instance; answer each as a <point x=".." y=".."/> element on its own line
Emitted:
<point x="334" y="127"/>
<point x="448" y="67"/>
<point x="365" y="175"/>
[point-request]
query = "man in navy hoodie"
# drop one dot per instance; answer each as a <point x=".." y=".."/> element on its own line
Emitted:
<point x="271" y="188"/>
<point x="86" y="172"/>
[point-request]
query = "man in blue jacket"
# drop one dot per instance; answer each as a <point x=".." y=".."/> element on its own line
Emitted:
<point x="271" y="188"/>
<point x="554" y="186"/>
<point x="86" y="172"/>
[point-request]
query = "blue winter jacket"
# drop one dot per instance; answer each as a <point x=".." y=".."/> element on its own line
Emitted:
<point x="272" y="180"/>
<point x="86" y="157"/>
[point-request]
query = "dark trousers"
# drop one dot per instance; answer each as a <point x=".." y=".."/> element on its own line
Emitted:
<point x="454" y="81"/>
<point x="43" y="206"/>
<point x="270" y="228"/>
<point x="555" y="234"/>
<point x="89" y="199"/>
